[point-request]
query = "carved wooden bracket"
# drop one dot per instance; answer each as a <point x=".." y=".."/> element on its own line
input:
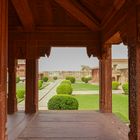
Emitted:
<point x="42" y="51"/>
<point x="93" y="51"/>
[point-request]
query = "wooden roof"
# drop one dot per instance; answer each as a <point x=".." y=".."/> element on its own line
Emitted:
<point x="88" y="23"/>
<point x="92" y="14"/>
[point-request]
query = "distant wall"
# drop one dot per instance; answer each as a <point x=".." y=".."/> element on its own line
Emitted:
<point x="64" y="74"/>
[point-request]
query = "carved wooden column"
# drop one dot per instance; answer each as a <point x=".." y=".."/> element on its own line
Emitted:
<point x="133" y="41"/>
<point x="105" y="79"/>
<point x="3" y="67"/>
<point x="31" y="103"/>
<point x="12" y="101"/>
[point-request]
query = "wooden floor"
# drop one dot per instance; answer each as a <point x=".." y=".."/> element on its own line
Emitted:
<point x="66" y="125"/>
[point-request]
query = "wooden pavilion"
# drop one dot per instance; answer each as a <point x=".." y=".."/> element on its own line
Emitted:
<point x="29" y="28"/>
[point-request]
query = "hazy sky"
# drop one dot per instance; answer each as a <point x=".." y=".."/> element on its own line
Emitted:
<point x="72" y="58"/>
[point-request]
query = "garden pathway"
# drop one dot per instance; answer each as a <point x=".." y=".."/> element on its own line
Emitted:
<point x="96" y="92"/>
<point x="73" y="125"/>
<point x="44" y="95"/>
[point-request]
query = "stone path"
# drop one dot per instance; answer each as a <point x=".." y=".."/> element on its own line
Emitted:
<point x="44" y="95"/>
<point x="96" y="92"/>
<point x="74" y="125"/>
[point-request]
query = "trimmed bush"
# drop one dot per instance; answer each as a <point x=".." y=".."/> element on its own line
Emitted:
<point x="45" y="79"/>
<point x="86" y="79"/>
<point x="83" y="79"/>
<point x="55" y="78"/>
<point x="63" y="102"/>
<point x="66" y="82"/>
<point x="17" y="79"/>
<point x="125" y="88"/>
<point x="20" y="93"/>
<point x="72" y="79"/>
<point x="115" y="85"/>
<point x="64" y="89"/>
<point x="40" y="83"/>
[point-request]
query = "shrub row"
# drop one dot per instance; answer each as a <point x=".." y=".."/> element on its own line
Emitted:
<point x="17" y="79"/>
<point x="64" y="88"/>
<point x="63" y="100"/>
<point x="45" y="79"/>
<point x="66" y="82"/>
<point x="20" y="93"/>
<point x="72" y="79"/>
<point x="86" y="79"/>
<point x="115" y="85"/>
<point x="125" y="88"/>
<point x="40" y="83"/>
<point x="55" y="78"/>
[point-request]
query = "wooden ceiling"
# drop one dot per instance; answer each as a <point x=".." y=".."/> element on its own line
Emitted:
<point x="93" y="15"/>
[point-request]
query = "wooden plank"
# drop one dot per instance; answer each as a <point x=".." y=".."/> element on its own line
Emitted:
<point x="24" y="12"/>
<point x="78" y="14"/>
<point x="116" y="21"/>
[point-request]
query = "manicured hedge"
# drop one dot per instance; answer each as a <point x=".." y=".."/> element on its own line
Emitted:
<point x="86" y="79"/>
<point x="20" y="93"/>
<point x="17" y="79"/>
<point x="66" y="82"/>
<point x="55" y="78"/>
<point x="64" y="89"/>
<point x="63" y="102"/>
<point x="115" y="85"/>
<point x="72" y="79"/>
<point x="45" y="79"/>
<point x="125" y="88"/>
<point x="40" y="83"/>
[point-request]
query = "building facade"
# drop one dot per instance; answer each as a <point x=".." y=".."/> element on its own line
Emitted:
<point x="119" y="71"/>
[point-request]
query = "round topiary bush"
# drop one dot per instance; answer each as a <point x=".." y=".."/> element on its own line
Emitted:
<point x="63" y="102"/>
<point x="83" y="79"/>
<point x="64" y="89"/>
<point x="72" y="79"/>
<point x="17" y="79"/>
<point x="20" y="93"/>
<point x="40" y="83"/>
<point x="115" y="85"/>
<point x="55" y="78"/>
<point x="66" y="82"/>
<point x="45" y="79"/>
<point x="125" y="88"/>
<point x="86" y="79"/>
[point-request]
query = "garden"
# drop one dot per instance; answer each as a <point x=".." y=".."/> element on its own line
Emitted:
<point x="66" y="100"/>
<point x="20" y="87"/>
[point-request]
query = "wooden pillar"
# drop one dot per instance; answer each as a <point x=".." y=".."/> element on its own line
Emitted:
<point x="133" y="41"/>
<point x="12" y="101"/>
<point x="3" y="67"/>
<point x="105" y="74"/>
<point x="31" y="103"/>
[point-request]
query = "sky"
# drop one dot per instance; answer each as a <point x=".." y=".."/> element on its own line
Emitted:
<point x="71" y="59"/>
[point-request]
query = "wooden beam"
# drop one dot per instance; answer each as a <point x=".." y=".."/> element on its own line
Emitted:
<point x="78" y="14"/>
<point x="53" y="29"/>
<point x="112" y="11"/>
<point x="24" y="12"/>
<point x="115" y="22"/>
<point x="49" y="11"/>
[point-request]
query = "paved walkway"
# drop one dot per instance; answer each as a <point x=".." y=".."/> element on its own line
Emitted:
<point x="44" y="95"/>
<point x="70" y="125"/>
<point x="96" y="92"/>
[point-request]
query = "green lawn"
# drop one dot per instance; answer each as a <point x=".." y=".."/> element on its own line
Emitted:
<point x="91" y="102"/>
<point x="84" y="87"/>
